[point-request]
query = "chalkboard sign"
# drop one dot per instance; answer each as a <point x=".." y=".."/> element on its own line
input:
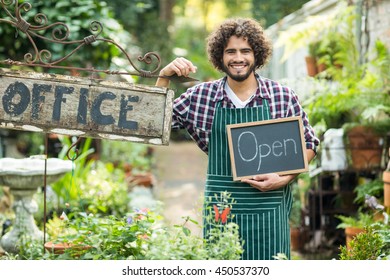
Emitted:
<point x="272" y="146"/>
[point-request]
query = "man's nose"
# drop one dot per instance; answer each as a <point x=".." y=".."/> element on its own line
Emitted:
<point x="238" y="56"/>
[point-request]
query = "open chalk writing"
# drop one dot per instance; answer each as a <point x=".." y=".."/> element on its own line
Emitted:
<point x="276" y="148"/>
<point x="267" y="147"/>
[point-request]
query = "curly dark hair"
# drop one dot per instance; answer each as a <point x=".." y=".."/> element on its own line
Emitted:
<point x="240" y="27"/>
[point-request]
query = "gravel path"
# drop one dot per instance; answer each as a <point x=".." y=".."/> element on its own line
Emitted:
<point x="180" y="171"/>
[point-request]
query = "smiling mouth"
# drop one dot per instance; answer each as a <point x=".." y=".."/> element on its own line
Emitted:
<point x="238" y="67"/>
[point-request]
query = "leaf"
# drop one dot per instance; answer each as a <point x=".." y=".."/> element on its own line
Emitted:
<point x="186" y="231"/>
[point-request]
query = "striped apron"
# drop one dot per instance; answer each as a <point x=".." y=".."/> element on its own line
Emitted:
<point x="262" y="217"/>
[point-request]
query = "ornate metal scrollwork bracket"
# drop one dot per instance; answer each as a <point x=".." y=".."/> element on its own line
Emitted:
<point x="59" y="35"/>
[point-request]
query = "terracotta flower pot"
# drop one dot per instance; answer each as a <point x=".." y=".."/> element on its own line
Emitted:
<point x="321" y="67"/>
<point x="60" y="248"/>
<point x="350" y="233"/>
<point x="297" y="240"/>
<point x="365" y="146"/>
<point x="311" y="66"/>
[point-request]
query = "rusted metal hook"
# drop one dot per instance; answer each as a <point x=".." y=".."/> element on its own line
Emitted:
<point x="76" y="151"/>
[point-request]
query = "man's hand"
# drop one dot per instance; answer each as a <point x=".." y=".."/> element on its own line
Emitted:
<point x="180" y="66"/>
<point x="268" y="182"/>
<point x="273" y="181"/>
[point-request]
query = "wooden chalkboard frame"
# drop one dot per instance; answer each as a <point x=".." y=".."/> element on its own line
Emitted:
<point x="262" y="125"/>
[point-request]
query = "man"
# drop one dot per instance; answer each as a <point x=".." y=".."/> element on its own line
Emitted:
<point x="237" y="48"/>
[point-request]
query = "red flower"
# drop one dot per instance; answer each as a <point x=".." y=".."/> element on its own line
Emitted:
<point x="223" y="216"/>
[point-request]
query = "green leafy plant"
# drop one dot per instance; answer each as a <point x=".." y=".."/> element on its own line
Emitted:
<point x="372" y="188"/>
<point x="78" y="16"/>
<point x="109" y="237"/>
<point x="280" y="257"/>
<point x="93" y="186"/>
<point x="368" y="245"/>
<point x="136" y="155"/>
<point x="296" y="208"/>
<point x="221" y="243"/>
<point x="362" y="220"/>
<point x="359" y="89"/>
<point x="175" y="243"/>
<point x="140" y="234"/>
<point x="67" y="188"/>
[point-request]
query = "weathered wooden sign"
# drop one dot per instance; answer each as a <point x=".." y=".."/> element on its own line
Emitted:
<point x="84" y="107"/>
<point x="272" y="146"/>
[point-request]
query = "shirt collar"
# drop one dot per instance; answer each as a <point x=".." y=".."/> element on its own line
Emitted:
<point x="264" y="89"/>
<point x="220" y="89"/>
<point x="262" y="93"/>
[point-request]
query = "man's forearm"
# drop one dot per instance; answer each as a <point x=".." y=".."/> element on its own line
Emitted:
<point x="162" y="82"/>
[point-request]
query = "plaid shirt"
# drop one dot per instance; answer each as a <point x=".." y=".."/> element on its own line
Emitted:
<point x="194" y="109"/>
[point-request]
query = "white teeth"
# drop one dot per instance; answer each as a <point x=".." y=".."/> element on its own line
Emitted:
<point x="238" y="66"/>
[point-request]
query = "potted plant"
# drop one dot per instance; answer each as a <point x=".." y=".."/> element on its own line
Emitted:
<point x="311" y="59"/>
<point x="88" y="236"/>
<point x="370" y="112"/>
<point x="372" y="188"/>
<point x="369" y="245"/>
<point x="63" y="238"/>
<point x="361" y="94"/>
<point x="354" y="225"/>
<point x="327" y="52"/>
<point x="356" y="93"/>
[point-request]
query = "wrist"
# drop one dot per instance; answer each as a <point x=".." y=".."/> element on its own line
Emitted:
<point x="162" y="82"/>
<point x="289" y="178"/>
<point x="162" y="74"/>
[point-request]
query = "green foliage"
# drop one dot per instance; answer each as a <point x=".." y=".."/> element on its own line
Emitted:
<point x="296" y="208"/>
<point x="137" y="155"/>
<point x="175" y="243"/>
<point x="280" y="257"/>
<point x="92" y="186"/>
<point x="361" y="221"/>
<point x="140" y="234"/>
<point x="29" y="143"/>
<point x="372" y="188"/>
<point x="363" y="89"/>
<point x="103" y="190"/>
<point x="114" y="238"/>
<point x="368" y="245"/>
<point x="28" y="249"/>
<point x="67" y="188"/>
<point x="272" y="11"/>
<point x="77" y="15"/>
<point x="384" y="231"/>
<point x="300" y="186"/>
<point x="222" y="243"/>
<point x="309" y="33"/>
<point x="353" y="92"/>
<point x="142" y="18"/>
<point x="188" y="45"/>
